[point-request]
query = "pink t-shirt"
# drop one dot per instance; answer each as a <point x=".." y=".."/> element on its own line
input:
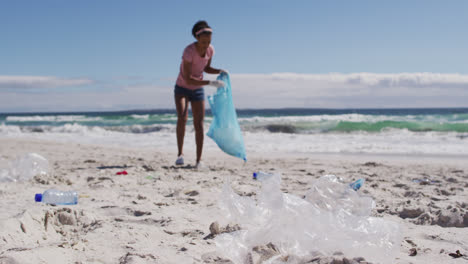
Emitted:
<point x="198" y="65"/>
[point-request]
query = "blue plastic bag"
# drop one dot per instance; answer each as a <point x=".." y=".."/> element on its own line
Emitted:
<point x="224" y="128"/>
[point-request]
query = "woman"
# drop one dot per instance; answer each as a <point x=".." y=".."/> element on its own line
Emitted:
<point x="196" y="59"/>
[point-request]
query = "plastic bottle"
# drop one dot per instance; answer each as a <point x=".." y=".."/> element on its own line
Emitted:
<point x="357" y="184"/>
<point x="261" y="175"/>
<point x="57" y="197"/>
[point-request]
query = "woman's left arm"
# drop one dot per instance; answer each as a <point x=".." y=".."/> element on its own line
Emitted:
<point x="209" y="69"/>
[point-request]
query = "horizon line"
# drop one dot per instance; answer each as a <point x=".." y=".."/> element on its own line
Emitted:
<point x="165" y="110"/>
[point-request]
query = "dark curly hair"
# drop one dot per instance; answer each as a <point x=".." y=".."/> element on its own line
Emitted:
<point x="200" y="25"/>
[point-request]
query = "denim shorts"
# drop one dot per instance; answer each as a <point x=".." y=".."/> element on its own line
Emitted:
<point x="192" y="95"/>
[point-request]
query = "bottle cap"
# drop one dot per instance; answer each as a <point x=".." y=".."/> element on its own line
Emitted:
<point x="38" y="197"/>
<point x="357" y="184"/>
<point x="255" y="175"/>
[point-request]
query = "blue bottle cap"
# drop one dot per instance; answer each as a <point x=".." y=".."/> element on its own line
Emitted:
<point x="357" y="184"/>
<point x="38" y="197"/>
<point x="255" y="175"/>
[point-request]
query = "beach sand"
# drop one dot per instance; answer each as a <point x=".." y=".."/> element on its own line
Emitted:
<point x="160" y="213"/>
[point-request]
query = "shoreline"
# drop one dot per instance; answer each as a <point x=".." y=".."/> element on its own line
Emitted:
<point x="214" y="152"/>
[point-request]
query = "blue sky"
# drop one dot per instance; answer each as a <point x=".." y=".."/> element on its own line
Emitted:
<point x="114" y="55"/>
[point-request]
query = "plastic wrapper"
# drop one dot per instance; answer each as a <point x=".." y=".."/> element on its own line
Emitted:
<point x="24" y="168"/>
<point x="224" y="128"/>
<point x="331" y="218"/>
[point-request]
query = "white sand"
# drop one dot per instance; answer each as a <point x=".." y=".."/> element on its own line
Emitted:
<point x="163" y="216"/>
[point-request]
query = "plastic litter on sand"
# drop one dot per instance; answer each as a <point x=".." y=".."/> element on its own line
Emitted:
<point x="57" y="197"/>
<point x="24" y="168"/>
<point x="331" y="218"/>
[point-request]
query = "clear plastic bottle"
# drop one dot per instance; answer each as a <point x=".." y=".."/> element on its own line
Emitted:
<point x="57" y="197"/>
<point x="261" y="175"/>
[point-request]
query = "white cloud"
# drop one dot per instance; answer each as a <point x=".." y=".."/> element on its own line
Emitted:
<point x="357" y="81"/>
<point x="337" y="90"/>
<point x="277" y="90"/>
<point x="28" y="82"/>
<point x="125" y="98"/>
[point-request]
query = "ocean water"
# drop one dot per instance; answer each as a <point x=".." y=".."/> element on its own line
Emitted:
<point x="382" y="131"/>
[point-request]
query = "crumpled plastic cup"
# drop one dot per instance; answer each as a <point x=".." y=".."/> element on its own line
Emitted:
<point x="332" y="217"/>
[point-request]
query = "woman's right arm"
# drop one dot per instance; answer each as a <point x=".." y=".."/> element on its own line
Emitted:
<point x="188" y="76"/>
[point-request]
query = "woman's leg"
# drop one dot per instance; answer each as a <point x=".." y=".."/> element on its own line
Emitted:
<point x="182" y="115"/>
<point x="198" y="111"/>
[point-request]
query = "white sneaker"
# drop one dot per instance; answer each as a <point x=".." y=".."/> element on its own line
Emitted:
<point x="200" y="166"/>
<point x="179" y="160"/>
